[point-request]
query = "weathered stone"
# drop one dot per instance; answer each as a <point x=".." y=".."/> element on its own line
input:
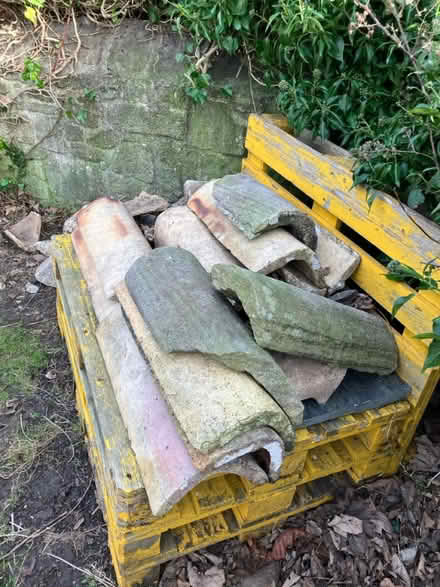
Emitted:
<point x="263" y="254"/>
<point x="254" y="208"/>
<point x="31" y="288"/>
<point x="70" y="224"/>
<point x="335" y="255"/>
<point x="44" y="273"/>
<point x="166" y="462"/>
<point x="213" y="404"/>
<point x="288" y="319"/>
<point x="185" y="314"/>
<point x="44" y="247"/>
<point x="146" y="203"/>
<point x="25" y="234"/>
<point x="179" y="227"/>
<point x="312" y="379"/>
<point x="290" y="274"/>
<point x="108" y="238"/>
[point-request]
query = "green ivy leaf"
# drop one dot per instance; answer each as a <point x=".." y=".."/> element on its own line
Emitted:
<point x="180" y="57"/>
<point x="416" y="198"/>
<point x="82" y="115"/>
<point x="227" y="90"/>
<point x="433" y="356"/>
<point x="399" y="302"/>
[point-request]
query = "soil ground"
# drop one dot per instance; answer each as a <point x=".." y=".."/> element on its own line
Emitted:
<point x="386" y="533"/>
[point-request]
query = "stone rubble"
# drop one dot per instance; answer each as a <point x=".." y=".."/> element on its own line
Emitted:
<point x="184" y="328"/>
<point x="44" y="273"/>
<point x="176" y="299"/>
<point x="146" y="203"/>
<point x="25" y="234"/>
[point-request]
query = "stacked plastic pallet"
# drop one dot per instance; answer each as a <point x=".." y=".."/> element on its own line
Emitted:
<point x="217" y="509"/>
<point x="363" y="445"/>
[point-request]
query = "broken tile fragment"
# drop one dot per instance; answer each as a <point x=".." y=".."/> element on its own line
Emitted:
<point x="176" y="299"/>
<point x="293" y="321"/>
<point x="25" y="234"/>
<point x="179" y="227"/>
<point x="44" y="273"/>
<point x="146" y="203"/>
<point x="340" y="260"/>
<point x="312" y="379"/>
<point x="290" y="274"/>
<point x="212" y="403"/>
<point x="254" y="208"/>
<point x="263" y="254"/>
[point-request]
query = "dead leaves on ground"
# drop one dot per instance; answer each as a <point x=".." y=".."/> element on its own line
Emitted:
<point x="382" y="534"/>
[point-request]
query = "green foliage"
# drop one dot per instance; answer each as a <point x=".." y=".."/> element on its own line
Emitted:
<point x="76" y="110"/>
<point x="419" y="281"/>
<point x="32" y="72"/>
<point x="16" y="166"/>
<point x="21" y="356"/>
<point x="363" y="74"/>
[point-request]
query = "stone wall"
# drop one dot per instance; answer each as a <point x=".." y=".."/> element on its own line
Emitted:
<point x="142" y="131"/>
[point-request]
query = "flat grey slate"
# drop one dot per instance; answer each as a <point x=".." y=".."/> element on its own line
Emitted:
<point x="254" y="208"/>
<point x="288" y="319"/>
<point x="176" y="299"/>
<point x="357" y="392"/>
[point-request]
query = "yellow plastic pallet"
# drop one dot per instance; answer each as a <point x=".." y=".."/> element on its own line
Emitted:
<point x="322" y="171"/>
<point x="361" y="445"/>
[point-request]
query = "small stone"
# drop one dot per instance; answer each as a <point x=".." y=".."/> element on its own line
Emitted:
<point x="25" y="234"/>
<point x="2" y="285"/>
<point x="44" y="273"/>
<point x="148" y="233"/>
<point x="44" y="247"/>
<point x="31" y="288"/>
<point x="39" y="258"/>
<point x="408" y="555"/>
<point x="146" y="203"/>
